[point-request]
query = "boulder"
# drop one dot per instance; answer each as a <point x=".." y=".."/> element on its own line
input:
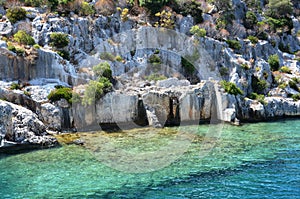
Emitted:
<point x="22" y="126"/>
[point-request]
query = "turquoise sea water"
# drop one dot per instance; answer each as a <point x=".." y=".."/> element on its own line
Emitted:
<point x="260" y="160"/>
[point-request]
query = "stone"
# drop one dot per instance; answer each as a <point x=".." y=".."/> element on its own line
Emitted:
<point x="51" y="116"/>
<point x="22" y="126"/>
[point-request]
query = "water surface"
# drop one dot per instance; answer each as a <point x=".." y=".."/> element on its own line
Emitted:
<point x="259" y="160"/>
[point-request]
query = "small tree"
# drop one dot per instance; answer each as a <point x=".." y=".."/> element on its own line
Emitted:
<point x="103" y="69"/>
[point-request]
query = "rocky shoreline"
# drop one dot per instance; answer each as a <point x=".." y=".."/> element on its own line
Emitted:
<point x="161" y="77"/>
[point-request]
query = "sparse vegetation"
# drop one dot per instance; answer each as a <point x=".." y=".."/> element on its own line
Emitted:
<point x="15" y="14"/>
<point x="234" y="44"/>
<point x="199" y="32"/>
<point x="59" y="40"/>
<point x="296" y="97"/>
<point x="103" y="69"/>
<point x="231" y="88"/>
<point x="293" y="85"/>
<point x="165" y="20"/>
<point x="258" y="97"/>
<point x="274" y="62"/>
<point x="61" y="92"/>
<point x="253" y="39"/>
<point x="154" y="59"/>
<point x="23" y="38"/>
<point x="15" y="86"/>
<point x="285" y="69"/>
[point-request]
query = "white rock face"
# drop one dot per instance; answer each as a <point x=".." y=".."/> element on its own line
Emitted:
<point x="51" y="116"/>
<point x="21" y="125"/>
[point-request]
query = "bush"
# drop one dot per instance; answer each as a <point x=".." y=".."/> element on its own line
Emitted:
<point x="234" y="44"/>
<point x="15" y="86"/>
<point x="190" y="7"/>
<point x="59" y="40"/>
<point x="258" y="97"/>
<point x="261" y="85"/>
<point x="231" y="88"/>
<point x="20" y="51"/>
<point x="285" y="69"/>
<point x="16" y="14"/>
<point x="250" y="20"/>
<point x="296" y="97"/>
<point x="64" y="54"/>
<point x="154" y="59"/>
<point x="280" y="8"/>
<point x="253" y="39"/>
<point x="245" y="66"/>
<point x="273" y="61"/>
<point x="199" y="32"/>
<point x="103" y="69"/>
<point x="118" y="58"/>
<point x="166" y="20"/>
<point x="95" y="90"/>
<point x="86" y="9"/>
<point x="61" y="93"/>
<point x="23" y="38"/>
<point x="36" y="46"/>
<point x="293" y="85"/>
<point x="11" y="47"/>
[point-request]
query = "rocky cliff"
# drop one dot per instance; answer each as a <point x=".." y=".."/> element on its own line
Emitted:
<point x="162" y="77"/>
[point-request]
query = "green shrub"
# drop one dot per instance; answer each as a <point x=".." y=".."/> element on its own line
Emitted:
<point x="285" y="69"/>
<point x="250" y="20"/>
<point x="86" y="9"/>
<point x="296" y="97"/>
<point x="273" y="61"/>
<point x="258" y="97"/>
<point x="258" y="85"/>
<point x="231" y="88"/>
<point x="64" y="54"/>
<point x="11" y="48"/>
<point x="223" y="71"/>
<point x="279" y="8"/>
<point x="154" y="59"/>
<point x="199" y="32"/>
<point x="118" y="58"/>
<point x="15" y="86"/>
<point x="59" y="40"/>
<point x="166" y="20"/>
<point x="234" y="44"/>
<point x="282" y="85"/>
<point x="190" y="7"/>
<point x="20" y="51"/>
<point x="61" y="93"/>
<point x="23" y="38"/>
<point x="15" y="14"/>
<point x="253" y="39"/>
<point x="95" y="90"/>
<point x="107" y="56"/>
<point x="103" y="69"/>
<point x="188" y="66"/>
<point x="36" y="46"/>
<point x="293" y="85"/>
<point x="245" y="66"/>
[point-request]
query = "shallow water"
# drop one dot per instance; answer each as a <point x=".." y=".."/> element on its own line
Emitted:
<point x="259" y="160"/>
